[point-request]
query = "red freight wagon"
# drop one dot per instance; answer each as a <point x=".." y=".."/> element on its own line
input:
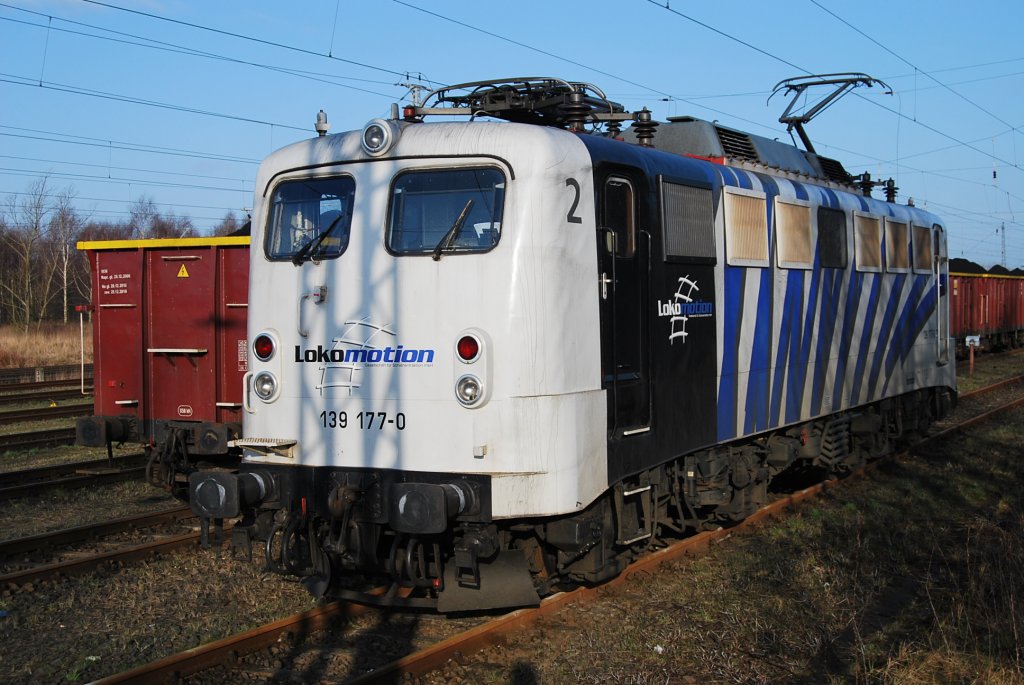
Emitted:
<point x="988" y="306"/>
<point x="169" y="349"/>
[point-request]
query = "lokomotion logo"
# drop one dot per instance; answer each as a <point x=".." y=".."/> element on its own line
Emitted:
<point x="682" y="307"/>
<point x="372" y="356"/>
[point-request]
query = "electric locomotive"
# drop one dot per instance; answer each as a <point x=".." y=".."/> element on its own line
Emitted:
<point x="501" y="346"/>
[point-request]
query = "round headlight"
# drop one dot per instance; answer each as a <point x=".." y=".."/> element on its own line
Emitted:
<point x="378" y="136"/>
<point x="265" y="386"/>
<point x="468" y="390"/>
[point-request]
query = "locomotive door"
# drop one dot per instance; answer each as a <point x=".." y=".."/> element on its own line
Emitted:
<point x="623" y="272"/>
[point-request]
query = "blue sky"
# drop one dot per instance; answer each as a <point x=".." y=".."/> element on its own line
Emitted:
<point x="177" y="101"/>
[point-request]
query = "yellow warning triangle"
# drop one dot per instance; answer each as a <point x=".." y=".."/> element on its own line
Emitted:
<point x="182" y="272"/>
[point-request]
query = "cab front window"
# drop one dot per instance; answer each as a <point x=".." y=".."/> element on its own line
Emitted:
<point x="446" y="210"/>
<point x="310" y="219"/>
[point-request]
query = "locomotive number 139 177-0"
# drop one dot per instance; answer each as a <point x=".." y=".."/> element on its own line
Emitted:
<point x="365" y="420"/>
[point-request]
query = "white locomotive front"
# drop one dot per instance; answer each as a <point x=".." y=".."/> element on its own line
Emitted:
<point x="422" y="314"/>
<point x="489" y="358"/>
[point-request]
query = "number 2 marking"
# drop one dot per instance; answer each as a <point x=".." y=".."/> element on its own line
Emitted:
<point x="571" y="216"/>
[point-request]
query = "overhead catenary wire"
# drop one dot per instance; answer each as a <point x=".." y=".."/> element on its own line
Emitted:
<point x="243" y="37"/>
<point x="120" y="168"/>
<point x="116" y="97"/>
<point x="122" y="145"/>
<point x="910" y="64"/>
<point x="554" y="55"/>
<point x="876" y="103"/>
<point x="58" y="194"/>
<point x="153" y="44"/>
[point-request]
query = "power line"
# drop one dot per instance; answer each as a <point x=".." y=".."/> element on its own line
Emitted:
<point x="118" y="181"/>
<point x="122" y="145"/>
<point x="961" y="68"/>
<point x="874" y="102"/>
<point x="153" y="44"/>
<point x="67" y="88"/>
<point x="119" y="201"/>
<point x="239" y="36"/>
<point x="121" y="168"/>
<point x="666" y="96"/>
<point x="910" y="64"/>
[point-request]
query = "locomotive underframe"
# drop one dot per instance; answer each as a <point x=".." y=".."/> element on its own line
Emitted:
<point x="433" y="534"/>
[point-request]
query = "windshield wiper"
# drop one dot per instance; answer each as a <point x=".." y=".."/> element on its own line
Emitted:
<point x="453" y="232"/>
<point x="314" y="243"/>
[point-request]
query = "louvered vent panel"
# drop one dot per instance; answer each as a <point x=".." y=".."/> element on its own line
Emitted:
<point x="736" y="144"/>
<point x="689" y="221"/>
<point x="834" y="171"/>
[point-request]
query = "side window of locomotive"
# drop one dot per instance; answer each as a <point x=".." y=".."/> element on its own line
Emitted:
<point x="746" y="228"/>
<point x="688" y="219"/>
<point x="302" y="211"/>
<point x="454" y="210"/>
<point x="619" y="216"/>
<point x="794" y="243"/>
<point x="922" y="249"/>
<point x="867" y="242"/>
<point x="897" y="247"/>
<point x="832" y="238"/>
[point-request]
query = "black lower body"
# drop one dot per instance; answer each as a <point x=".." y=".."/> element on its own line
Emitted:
<point x="431" y="538"/>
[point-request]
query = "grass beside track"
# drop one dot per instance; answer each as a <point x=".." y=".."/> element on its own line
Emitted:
<point x="913" y="574"/>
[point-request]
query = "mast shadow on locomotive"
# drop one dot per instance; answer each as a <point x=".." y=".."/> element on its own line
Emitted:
<point x="500" y="346"/>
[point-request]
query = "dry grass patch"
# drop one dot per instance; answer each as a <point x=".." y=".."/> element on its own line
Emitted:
<point x="44" y="344"/>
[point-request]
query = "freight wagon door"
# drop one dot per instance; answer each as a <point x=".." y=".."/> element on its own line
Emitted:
<point x="623" y="262"/>
<point x="117" y="292"/>
<point x="232" y="310"/>
<point x="181" y="347"/>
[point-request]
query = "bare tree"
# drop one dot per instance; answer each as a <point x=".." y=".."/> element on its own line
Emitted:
<point x="65" y="227"/>
<point x="26" y="221"/>
<point x="146" y="221"/>
<point x="142" y="212"/>
<point x="228" y="225"/>
<point x="170" y="226"/>
<point x="41" y="270"/>
<point x="6" y="274"/>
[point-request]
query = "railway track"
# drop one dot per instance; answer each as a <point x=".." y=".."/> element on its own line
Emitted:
<point x="29" y="482"/>
<point x="40" y="550"/>
<point x="66" y="373"/>
<point x="36" y="439"/>
<point x="226" y="653"/>
<point x="46" y="395"/>
<point x="66" y="411"/>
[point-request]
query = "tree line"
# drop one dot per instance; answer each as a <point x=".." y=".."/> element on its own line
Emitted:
<point x="42" y="274"/>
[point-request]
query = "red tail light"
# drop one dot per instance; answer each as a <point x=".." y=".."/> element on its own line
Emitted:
<point x="263" y="346"/>
<point x="468" y="348"/>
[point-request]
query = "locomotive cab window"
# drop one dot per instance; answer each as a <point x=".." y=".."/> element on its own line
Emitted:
<point x="310" y="218"/>
<point x="922" y="249"/>
<point x="867" y="240"/>
<point x="897" y="246"/>
<point x="832" y="238"/>
<point x="445" y="210"/>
